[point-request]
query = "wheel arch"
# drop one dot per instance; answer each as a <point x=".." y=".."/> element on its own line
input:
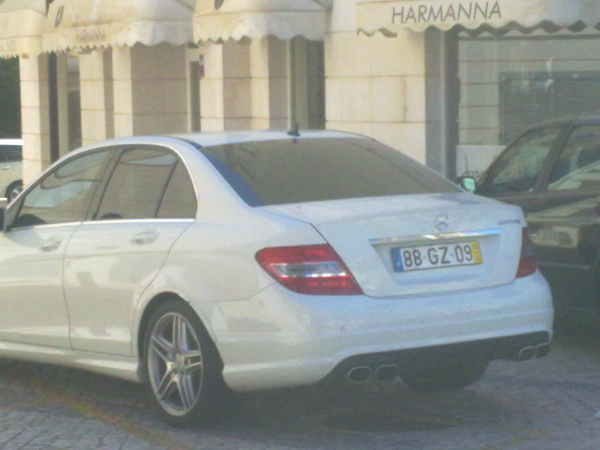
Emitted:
<point x="11" y="186"/>
<point x="152" y="306"/>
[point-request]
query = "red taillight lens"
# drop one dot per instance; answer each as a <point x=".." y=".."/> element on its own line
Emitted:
<point x="311" y="269"/>
<point x="527" y="261"/>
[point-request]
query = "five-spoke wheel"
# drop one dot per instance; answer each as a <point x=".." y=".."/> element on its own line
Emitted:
<point x="183" y="368"/>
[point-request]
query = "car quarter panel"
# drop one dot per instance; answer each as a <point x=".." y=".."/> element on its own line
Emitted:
<point x="213" y="263"/>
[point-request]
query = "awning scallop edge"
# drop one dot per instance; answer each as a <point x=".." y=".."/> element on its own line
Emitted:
<point x="256" y="19"/>
<point x="81" y="24"/>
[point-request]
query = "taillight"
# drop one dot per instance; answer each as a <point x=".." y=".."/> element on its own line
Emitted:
<point x="310" y="269"/>
<point x="527" y="262"/>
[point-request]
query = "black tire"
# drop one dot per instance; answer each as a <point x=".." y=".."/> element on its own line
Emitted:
<point x="445" y="378"/>
<point x="183" y="369"/>
<point x="13" y="190"/>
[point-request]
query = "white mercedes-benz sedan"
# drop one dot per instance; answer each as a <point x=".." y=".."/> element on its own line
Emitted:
<point x="210" y="265"/>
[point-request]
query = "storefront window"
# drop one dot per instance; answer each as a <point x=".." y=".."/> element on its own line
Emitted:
<point x="510" y="81"/>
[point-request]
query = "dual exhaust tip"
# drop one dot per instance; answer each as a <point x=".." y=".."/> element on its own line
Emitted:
<point x="362" y="374"/>
<point x="538" y="351"/>
<point x="387" y="372"/>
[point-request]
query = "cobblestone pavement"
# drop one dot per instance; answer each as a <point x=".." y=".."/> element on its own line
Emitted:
<point x="547" y="404"/>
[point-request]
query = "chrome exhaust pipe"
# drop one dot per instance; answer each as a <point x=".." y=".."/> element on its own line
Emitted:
<point x="386" y="372"/>
<point x="360" y="374"/>
<point x="527" y="353"/>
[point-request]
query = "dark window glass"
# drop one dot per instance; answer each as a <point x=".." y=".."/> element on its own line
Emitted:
<point x="63" y="195"/>
<point x="309" y="170"/>
<point x="14" y="153"/>
<point x="11" y="153"/>
<point x="137" y="184"/>
<point x="179" y="201"/>
<point x="578" y="166"/>
<point x="518" y="169"/>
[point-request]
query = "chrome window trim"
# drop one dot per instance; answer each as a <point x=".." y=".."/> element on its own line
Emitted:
<point x="45" y="226"/>
<point x="437" y="237"/>
<point x="134" y="221"/>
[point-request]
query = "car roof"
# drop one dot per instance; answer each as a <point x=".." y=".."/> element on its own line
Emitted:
<point x="583" y="119"/>
<point x="209" y="139"/>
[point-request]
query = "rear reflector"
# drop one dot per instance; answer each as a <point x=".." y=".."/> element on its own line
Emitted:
<point x="527" y="262"/>
<point x="310" y="269"/>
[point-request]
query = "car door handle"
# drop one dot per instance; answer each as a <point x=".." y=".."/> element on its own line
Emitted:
<point x="51" y="244"/>
<point x="145" y="237"/>
<point x="6" y="167"/>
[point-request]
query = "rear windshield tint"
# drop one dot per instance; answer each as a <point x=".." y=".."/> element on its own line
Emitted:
<point x="310" y="170"/>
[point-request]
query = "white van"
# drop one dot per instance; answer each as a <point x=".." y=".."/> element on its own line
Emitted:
<point x="11" y="177"/>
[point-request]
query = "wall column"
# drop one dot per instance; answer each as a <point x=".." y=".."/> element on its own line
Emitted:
<point x="150" y="92"/>
<point x="270" y="83"/>
<point x="226" y="88"/>
<point x="376" y="85"/>
<point x="35" y="116"/>
<point x="97" y="101"/>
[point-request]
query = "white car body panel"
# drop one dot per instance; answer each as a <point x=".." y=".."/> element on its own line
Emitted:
<point x="31" y="270"/>
<point x="107" y="267"/>
<point x="279" y="343"/>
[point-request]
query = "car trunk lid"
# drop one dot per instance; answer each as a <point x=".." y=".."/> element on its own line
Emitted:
<point x="371" y="234"/>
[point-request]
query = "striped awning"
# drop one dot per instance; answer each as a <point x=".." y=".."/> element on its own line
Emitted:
<point x="81" y="24"/>
<point x="21" y="27"/>
<point x="391" y="16"/>
<point x="220" y="20"/>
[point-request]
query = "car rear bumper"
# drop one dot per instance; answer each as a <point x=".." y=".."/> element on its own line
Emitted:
<point x="282" y="339"/>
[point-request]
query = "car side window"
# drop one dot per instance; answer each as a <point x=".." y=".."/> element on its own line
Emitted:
<point x="13" y="153"/>
<point x="137" y="185"/>
<point x="179" y="200"/>
<point x="519" y="168"/>
<point x="578" y="166"/>
<point x="64" y="194"/>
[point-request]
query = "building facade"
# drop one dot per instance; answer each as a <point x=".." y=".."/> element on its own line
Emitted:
<point x="448" y="82"/>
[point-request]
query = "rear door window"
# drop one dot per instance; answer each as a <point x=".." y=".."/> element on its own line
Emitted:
<point x="147" y="183"/>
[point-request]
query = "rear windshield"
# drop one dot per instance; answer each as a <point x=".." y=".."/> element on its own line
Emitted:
<point x="310" y="170"/>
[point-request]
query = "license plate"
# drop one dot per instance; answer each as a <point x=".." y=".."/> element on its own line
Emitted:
<point x="434" y="256"/>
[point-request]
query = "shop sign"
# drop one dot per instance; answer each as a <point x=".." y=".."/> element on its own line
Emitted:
<point x="89" y="36"/>
<point x="435" y="12"/>
<point x="8" y="47"/>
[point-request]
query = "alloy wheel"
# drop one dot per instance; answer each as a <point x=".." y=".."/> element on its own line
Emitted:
<point x="175" y="364"/>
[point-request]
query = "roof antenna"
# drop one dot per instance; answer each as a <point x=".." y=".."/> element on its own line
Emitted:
<point x="295" y="132"/>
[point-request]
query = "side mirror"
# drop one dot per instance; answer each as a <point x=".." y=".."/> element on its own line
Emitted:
<point x="468" y="184"/>
<point x="3" y="206"/>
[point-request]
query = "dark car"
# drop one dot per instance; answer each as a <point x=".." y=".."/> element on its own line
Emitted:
<point x="553" y="172"/>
